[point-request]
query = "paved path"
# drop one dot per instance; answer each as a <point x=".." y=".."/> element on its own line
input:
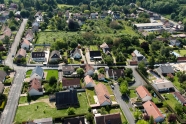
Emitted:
<point x="8" y="114"/>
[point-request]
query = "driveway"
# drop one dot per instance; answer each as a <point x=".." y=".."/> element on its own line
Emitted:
<point x="123" y="105"/>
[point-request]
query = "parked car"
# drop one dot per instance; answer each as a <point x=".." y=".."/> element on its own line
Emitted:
<point x="112" y="86"/>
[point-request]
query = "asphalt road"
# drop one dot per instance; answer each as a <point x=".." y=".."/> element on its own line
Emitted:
<point x="8" y="114"/>
<point x="123" y="105"/>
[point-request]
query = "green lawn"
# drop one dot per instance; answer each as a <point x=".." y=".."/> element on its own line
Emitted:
<point x="51" y="73"/>
<point x="90" y="94"/>
<point x="48" y="37"/>
<point x="109" y="89"/>
<point x="28" y="73"/>
<point x="23" y="99"/>
<point x="156" y="99"/>
<point x="25" y="113"/>
<point x="64" y="5"/>
<point x="93" y="48"/>
<point x="132" y="94"/>
<point x="113" y="98"/>
<point x="171" y="100"/>
<point x="181" y="52"/>
<point x="177" y="83"/>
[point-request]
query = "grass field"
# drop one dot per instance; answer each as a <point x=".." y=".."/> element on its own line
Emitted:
<point x="23" y="99"/>
<point x="48" y="37"/>
<point x="93" y="48"/>
<point x="64" y="5"/>
<point x="132" y="94"/>
<point x="43" y="110"/>
<point x="51" y="73"/>
<point x="171" y="100"/>
<point x="28" y="73"/>
<point x="90" y="95"/>
<point x="177" y="83"/>
<point x="181" y="52"/>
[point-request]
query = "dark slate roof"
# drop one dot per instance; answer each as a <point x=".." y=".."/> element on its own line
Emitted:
<point x="68" y="68"/>
<point x="165" y="69"/>
<point x="75" y="120"/>
<point x="95" y="53"/>
<point x="74" y="51"/>
<point x="109" y="119"/>
<point x="38" y="70"/>
<point x="55" y="54"/>
<point x="38" y="54"/>
<point x="116" y="72"/>
<point x="107" y="49"/>
<point x="3" y="74"/>
<point x="70" y="82"/>
<point x="66" y="97"/>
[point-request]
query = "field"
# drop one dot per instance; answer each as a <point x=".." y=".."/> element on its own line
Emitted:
<point x="132" y="94"/>
<point x="171" y="100"/>
<point x="43" y="110"/>
<point x="181" y="52"/>
<point x="90" y="95"/>
<point x="51" y="73"/>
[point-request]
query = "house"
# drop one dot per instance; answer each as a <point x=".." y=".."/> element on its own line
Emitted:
<point x="13" y="5"/>
<point x="181" y="59"/>
<point x="21" y="53"/>
<point x="102" y="94"/>
<point x="6" y="32"/>
<point x="108" y="119"/>
<point x="3" y="75"/>
<point x="137" y="56"/>
<point x="175" y="42"/>
<point x="1" y="88"/>
<point x="101" y="77"/>
<point x="115" y="73"/>
<point x="116" y="15"/>
<point x="95" y="55"/>
<point x="55" y="56"/>
<point x="75" y="53"/>
<point x="89" y="82"/>
<point x="37" y="73"/>
<point x="180" y="98"/>
<point x="104" y="14"/>
<point x="152" y="110"/>
<point x="163" y="85"/>
<point x="147" y="26"/>
<point x="104" y="45"/>
<point x="35" y="27"/>
<point x="29" y="35"/>
<point x="68" y="70"/>
<point x="143" y="93"/>
<point x="66" y="99"/>
<point x="156" y="16"/>
<point x="70" y="83"/>
<point x="164" y="70"/>
<point x="18" y="14"/>
<point x="38" y="56"/>
<point x="35" y="88"/>
<point x="25" y="44"/>
<point x="2" y="7"/>
<point x="89" y="70"/>
<point x="74" y="120"/>
<point x="93" y="15"/>
<point x="67" y="14"/>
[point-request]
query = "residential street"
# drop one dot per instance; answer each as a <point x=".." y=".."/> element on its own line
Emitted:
<point x="123" y="105"/>
<point x="8" y="114"/>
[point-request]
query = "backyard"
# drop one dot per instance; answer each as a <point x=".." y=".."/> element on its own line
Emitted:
<point x="132" y="94"/>
<point x="181" y="52"/>
<point x="176" y="83"/>
<point x="93" y="48"/>
<point x="90" y="95"/>
<point x="43" y="110"/>
<point x="23" y="99"/>
<point x="51" y="73"/>
<point x="170" y="100"/>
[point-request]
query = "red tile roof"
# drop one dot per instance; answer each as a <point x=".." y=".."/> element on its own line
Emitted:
<point x="22" y="52"/>
<point x="102" y="93"/>
<point x="152" y="109"/>
<point x="133" y="62"/>
<point x="181" y="59"/>
<point x="88" y="79"/>
<point x="26" y="42"/>
<point x="70" y="82"/>
<point x="142" y="92"/>
<point x="35" y="84"/>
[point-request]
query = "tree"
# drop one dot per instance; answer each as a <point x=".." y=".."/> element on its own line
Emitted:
<point x="128" y="72"/>
<point x="103" y="111"/>
<point x="6" y="68"/>
<point x="52" y="80"/>
<point x="179" y="108"/>
<point x="7" y="40"/>
<point x="11" y="14"/>
<point x="108" y="60"/>
<point x="137" y="114"/>
<point x="95" y="76"/>
<point x="151" y="62"/>
<point x="142" y="122"/>
<point x="89" y="117"/>
<point x="124" y="88"/>
<point x="120" y="80"/>
<point x="171" y="118"/>
<point x="73" y="25"/>
<point x="151" y="121"/>
<point x="146" y="117"/>
<point x="80" y="72"/>
<point x="141" y="67"/>
<point x="102" y="70"/>
<point x="71" y="111"/>
<point x="145" y="46"/>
